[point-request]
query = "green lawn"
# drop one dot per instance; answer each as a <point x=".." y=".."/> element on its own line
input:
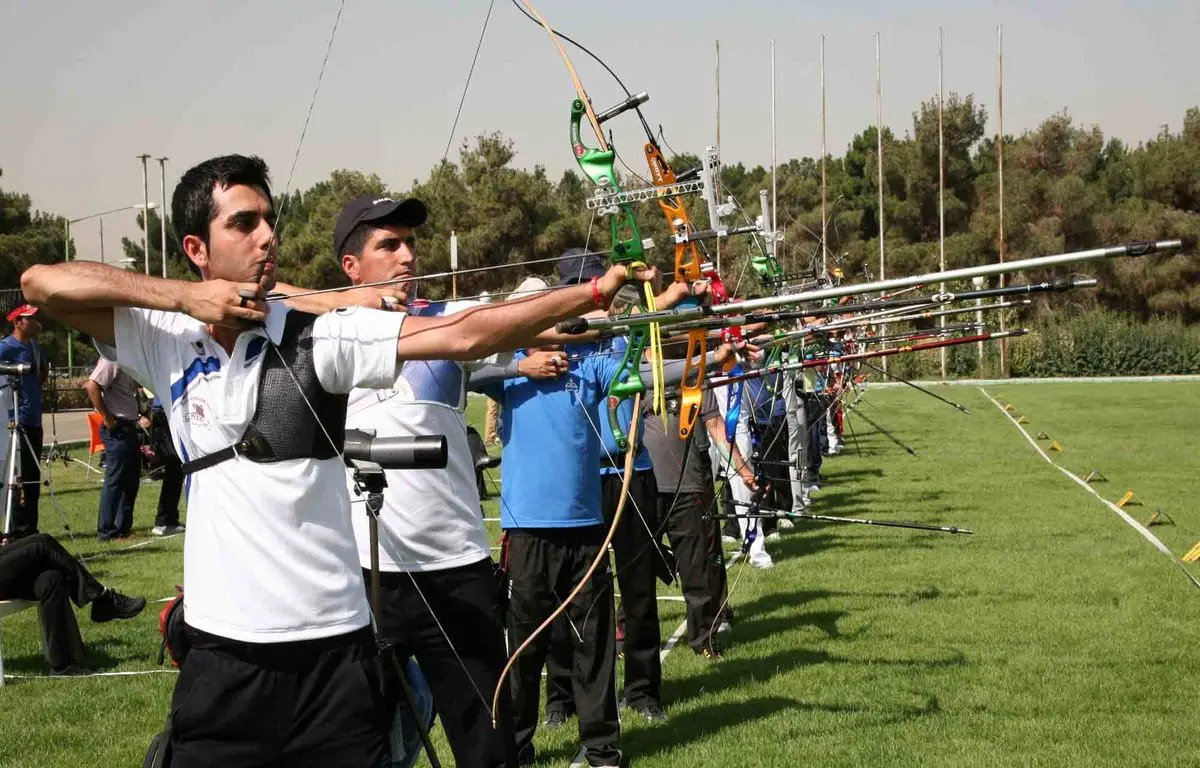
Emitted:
<point x="1055" y="636"/>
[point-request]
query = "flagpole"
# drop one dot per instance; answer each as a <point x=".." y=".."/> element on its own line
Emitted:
<point x="941" y="190"/>
<point x="879" y="162"/>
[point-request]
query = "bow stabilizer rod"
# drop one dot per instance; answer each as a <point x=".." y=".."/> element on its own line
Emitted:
<point x="1141" y="248"/>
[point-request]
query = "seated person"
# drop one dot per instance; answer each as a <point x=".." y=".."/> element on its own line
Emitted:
<point x="39" y="568"/>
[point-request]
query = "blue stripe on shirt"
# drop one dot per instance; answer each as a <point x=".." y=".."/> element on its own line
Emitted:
<point x="197" y="368"/>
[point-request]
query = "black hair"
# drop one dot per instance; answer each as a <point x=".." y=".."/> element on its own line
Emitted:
<point x="356" y="241"/>
<point x="192" y="206"/>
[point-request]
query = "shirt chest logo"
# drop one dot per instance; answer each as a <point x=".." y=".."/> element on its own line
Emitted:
<point x="197" y="412"/>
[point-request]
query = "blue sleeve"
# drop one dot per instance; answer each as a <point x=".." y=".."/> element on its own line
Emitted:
<point x="8" y="352"/>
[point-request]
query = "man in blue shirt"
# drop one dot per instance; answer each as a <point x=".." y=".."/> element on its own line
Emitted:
<point x="553" y="531"/>
<point x="22" y="347"/>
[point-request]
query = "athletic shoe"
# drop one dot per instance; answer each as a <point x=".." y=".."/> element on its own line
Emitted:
<point x="786" y="524"/>
<point x="166" y="530"/>
<point x="651" y="711"/>
<point x="761" y="560"/>
<point x="711" y="650"/>
<point x="729" y="539"/>
<point x="71" y="670"/>
<point x="555" y="719"/>
<point x="113" y="605"/>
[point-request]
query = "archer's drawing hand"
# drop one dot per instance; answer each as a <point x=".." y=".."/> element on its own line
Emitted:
<point x="618" y="275"/>
<point x="224" y="303"/>
<point x="677" y="292"/>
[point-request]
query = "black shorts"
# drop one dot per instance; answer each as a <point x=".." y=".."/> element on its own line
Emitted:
<point x="308" y="703"/>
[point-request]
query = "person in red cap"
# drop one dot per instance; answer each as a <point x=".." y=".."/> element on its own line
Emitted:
<point x="22" y="347"/>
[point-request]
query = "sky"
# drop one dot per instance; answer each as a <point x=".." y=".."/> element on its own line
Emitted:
<point x="88" y="86"/>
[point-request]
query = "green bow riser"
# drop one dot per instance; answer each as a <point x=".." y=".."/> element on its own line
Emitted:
<point x="598" y="165"/>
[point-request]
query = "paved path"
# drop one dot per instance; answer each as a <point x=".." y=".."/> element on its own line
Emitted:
<point x="71" y="426"/>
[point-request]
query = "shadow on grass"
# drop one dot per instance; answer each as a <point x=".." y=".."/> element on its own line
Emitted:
<point x="841" y="475"/>
<point x="97" y="657"/>
<point x="788" y="547"/>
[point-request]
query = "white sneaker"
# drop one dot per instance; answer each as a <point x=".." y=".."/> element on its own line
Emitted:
<point x="762" y="560"/>
<point x="729" y="539"/>
<point x="786" y="524"/>
<point x="166" y="530"/>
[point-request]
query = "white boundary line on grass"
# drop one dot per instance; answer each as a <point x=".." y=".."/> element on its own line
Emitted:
<point x="1141" y="529"/>
<point x="139" y="545"/>
<point x="133" y="673"/>
<point x="1184" y="379"/>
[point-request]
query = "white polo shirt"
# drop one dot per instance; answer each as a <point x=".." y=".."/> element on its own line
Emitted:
<point x="269" y="554"/>
<point x="431" y="518"/>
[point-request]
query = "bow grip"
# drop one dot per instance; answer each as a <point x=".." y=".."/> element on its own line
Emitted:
<point x="572" y="325"/>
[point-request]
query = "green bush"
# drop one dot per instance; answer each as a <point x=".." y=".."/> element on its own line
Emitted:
<point x="1106" y="344"/>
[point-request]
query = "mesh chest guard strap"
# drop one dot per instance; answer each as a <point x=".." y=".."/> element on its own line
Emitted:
<point x="283" y="426"/>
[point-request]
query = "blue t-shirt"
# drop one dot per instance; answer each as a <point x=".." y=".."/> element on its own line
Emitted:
<point x="612" y="462"/>
<point x="550" y="474"/>
<point x="12" y="350"/>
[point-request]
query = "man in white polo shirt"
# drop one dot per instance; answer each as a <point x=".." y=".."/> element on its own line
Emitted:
<point x="283" y="668"/>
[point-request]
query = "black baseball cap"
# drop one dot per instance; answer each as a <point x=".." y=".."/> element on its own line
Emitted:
<point x="409" y="212"/>
<point x="578" y="266"/>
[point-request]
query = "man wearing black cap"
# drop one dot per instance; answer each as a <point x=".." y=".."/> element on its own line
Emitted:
<point x="283" y="668"/>
<point x="440" y="600"/>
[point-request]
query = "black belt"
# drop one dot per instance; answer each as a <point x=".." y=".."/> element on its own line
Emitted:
<point x="254" y="448"/>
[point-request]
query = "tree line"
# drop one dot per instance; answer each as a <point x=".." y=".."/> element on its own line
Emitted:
<point x="1066" y="187"/>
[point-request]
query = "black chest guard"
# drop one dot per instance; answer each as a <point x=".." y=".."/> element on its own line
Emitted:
<point x="283" y="426"/>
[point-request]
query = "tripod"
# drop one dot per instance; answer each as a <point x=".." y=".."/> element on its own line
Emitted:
<point x="369" y="479"/>
<point x="14" y="483"/>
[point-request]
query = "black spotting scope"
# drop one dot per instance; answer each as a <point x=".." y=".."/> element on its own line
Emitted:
<point x="422" y="452"/>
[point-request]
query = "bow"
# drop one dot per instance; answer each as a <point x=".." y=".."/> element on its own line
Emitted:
<point x="597" y="164"/>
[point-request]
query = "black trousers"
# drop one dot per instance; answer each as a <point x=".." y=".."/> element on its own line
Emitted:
<point x="38" y="568"/>
<point x="637" y="554"/>
<point x="814" y="411"/>
<point x="560" y="694"/>
<point x="25" y="510"/>
<point x="172" y="477"/>
<point x="638" y="557"/>
<point x="543" y="564"/>
<point x="465" y="601"/>
<point x="692" y="536"/>
<point x="308" y="704"/>
<point x="170" y="493"/>
<point x="774" y="447"/>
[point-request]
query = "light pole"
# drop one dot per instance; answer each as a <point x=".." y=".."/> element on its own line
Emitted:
<point x="145" y="214"/>
<point x="67" y="244"/>
<point x="162" y="213"/>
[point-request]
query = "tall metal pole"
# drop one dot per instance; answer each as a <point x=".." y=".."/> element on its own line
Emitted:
<point x="774" y="187"/>
<point x="453" y="265"/>
<point x="941" y="191"/>
<point x="1000" y="166"/>
<point x="824" y="223"/>
<point x="145" y="214"/>
<point x="879" y="162"/>
<point x="67" y="257"/>
<point x="718" y="175"/>
<point x="162" y="212"/>
<point x="101" y="239"/>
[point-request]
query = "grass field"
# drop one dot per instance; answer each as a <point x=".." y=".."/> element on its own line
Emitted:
<point x="1055" y="636"/>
